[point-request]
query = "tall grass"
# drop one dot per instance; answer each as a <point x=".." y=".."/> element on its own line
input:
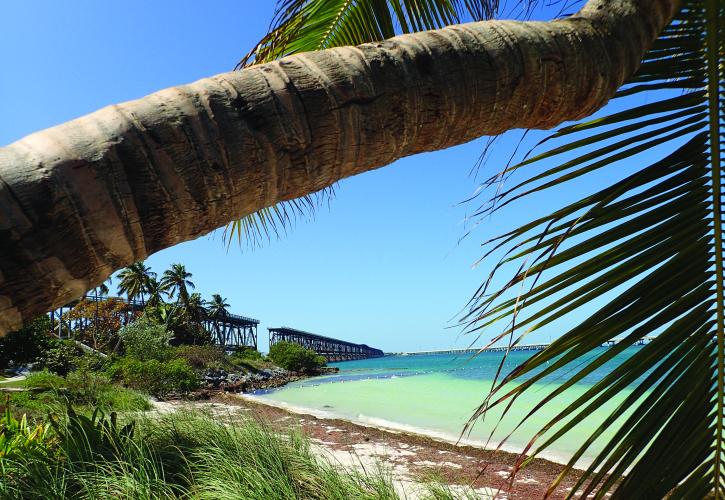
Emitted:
<point x="188" y="455"/>
<point x="250" y="461"/>
<point x="191" y="455"/>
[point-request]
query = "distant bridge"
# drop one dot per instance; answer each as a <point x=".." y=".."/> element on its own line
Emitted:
<point x="332" y="349"/>
<point x="642" y="341"/>
<point x="227" y="330"/>
<point x="474" y="350"/>
<point x="520" y="347"/>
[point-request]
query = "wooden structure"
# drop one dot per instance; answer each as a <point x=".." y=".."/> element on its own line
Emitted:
<point x="227" y="330"/>
<point x="332" y="349"/>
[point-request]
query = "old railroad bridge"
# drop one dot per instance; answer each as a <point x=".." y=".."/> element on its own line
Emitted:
<point x="331" y="349"/>
<point x="227" y="330"/>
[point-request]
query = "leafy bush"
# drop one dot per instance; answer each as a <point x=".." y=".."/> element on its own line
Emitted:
<point x="35" y="404"/>
<point x="44" y="380"/>
<point x="20" y="439"/>
<point x="146" y="339"/>
<point x="296" y="358"/>
<point x="202" y="356"/>
<point x="25" y="345"/>
<point x="84" y="386"/>
<point x="118" y="398"/>
<point x="61" y="356"/>
<point x="93" y="361"/>
<point x="157" y="377"/>
<point x="246" y="354"/>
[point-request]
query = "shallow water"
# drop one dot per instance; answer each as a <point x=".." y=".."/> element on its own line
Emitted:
<point x="437" y="394"/>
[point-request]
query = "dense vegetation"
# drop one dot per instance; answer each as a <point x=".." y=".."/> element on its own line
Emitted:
<point x="120" y="357"/>
<point x="296" y="358"/>
<point x="61" y="435"/>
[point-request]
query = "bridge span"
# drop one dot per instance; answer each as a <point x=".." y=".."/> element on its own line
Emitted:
<point x="332" y="349"/>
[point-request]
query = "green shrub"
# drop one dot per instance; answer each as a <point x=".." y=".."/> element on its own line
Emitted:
<point x="296" y="358"/>
<point x="93" y="361"/>
<point x="35" y="404"/>
<point x="246" y="354"/>
<point x="84" y="386"/>
<point x="61" y="356"/>
<point x="157" y="377"/>
<point x="146" y="339"/>
<point x="202" y="356"/>
<point x="18" y="438"/>
<point x="44" y="380"/>
<point x="25" y="345"/>
<point x="118" y="398"/>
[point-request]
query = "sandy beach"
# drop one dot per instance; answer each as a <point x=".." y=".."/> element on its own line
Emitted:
<point x="411" y="458"/>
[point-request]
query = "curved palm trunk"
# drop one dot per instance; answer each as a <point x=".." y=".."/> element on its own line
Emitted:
<point x="82" y="199"/>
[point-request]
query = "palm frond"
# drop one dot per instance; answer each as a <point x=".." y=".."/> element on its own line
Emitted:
<point x="645" y="254"/>
<point x="308" y="25"/>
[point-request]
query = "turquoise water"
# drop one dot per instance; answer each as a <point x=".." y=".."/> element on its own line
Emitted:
<point x="437" y="394"/>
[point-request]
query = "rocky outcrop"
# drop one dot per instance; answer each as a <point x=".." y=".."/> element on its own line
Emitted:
<point x="245" y="381"/>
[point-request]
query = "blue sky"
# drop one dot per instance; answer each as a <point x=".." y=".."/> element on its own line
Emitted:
<point x="381" y="266"/>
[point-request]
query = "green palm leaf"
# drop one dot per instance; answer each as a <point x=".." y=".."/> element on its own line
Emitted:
<point x="646" y="254"/>
<point x="308" y="25"/>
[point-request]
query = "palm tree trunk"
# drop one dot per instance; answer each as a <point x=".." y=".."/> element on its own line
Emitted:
<point x="82" y="199"/>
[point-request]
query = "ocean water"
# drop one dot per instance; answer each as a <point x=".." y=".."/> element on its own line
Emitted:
<point x="437" y="394"/>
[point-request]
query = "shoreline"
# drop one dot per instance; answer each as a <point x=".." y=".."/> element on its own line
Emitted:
<point x="395" y="427"/>
<point x="411" y="457"/>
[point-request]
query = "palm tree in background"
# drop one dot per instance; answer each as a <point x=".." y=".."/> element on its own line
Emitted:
<point x="133" y="281"/>
<point x="194" y="308"/>
<point x="101" y="290"/>
<point x="177" y="281"/>
<point x="217" y="307"/>
<point x="156" y="291"/>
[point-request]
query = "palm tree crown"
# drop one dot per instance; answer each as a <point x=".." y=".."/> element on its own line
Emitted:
<point x="177" y="281"/>
<point x="134" y="279"/>
<point x="194" y="308"/>
<point x="101" y="290"/>
<point x="156" y="291"/>
<point x="217" y="306"/>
